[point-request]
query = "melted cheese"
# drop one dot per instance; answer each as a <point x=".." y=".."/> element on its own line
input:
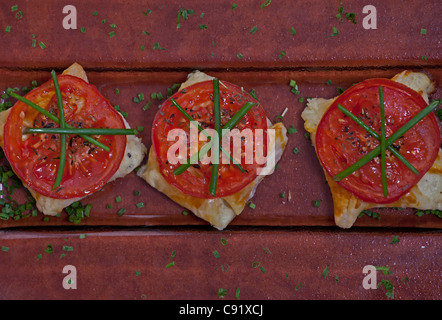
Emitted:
<point x="219" y="212"/>
<point x="425" y="195"/>
<point x="134" y="154"/>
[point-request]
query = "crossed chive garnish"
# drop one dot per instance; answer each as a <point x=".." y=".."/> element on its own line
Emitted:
<point x="65" y="128"/>
<point x="221" y="132"/>
<point x="385" y="143"/>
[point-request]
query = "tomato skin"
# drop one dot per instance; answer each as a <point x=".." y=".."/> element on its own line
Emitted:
<point x="197" y="100"/>
<point x="34" y="158"/>
<point x="340" y="142"/>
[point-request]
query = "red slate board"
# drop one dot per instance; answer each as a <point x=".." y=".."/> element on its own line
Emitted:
<point x="124" y="257"/>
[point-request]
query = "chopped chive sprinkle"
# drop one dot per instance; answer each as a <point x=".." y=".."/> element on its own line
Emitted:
<point x="121" y="211"/>
<point x="95" y="13"/>
<point x="266" y="4"/>
<point x="325" y="272"/>
<point x="83" y="30"/>
<point x="42" y="45"/>
<point x="140" y="204"/>
<point x="239" y="55"/>
<point x="335" y="32"/>
<point x="156" y="46"/>
<point x="292" y="130"/>
<point x="222" y="293"/>
<point x="117" y="199"/>
<point x="252" y="205"/>
<point x="234" y="6"/>
<point x="253" y="30"/>
<point x="111" y="34"/>
<point x="170" y="264"/>
<point x="8" y="29"/>
<point x="423" y="31"/>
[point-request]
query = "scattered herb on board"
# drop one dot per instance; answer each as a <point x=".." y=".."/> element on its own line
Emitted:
<point x="325" y="272"/>
<point x="334" y="32"/>
<point x="266" y="4"/>
<point x="395" y="240"/>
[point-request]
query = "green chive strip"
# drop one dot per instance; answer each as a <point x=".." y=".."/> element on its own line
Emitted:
<point x="11" y="93"/>
<point x="375" y="135"/>
<point x="188" y="116"/>
<point x="217" y="115"/>
<point x="228" y="126"/>
<point x="62" y="162"/>
<point x="399" y="133"/>
<point x="383" y="156"/>
<point x="84" y="131"/>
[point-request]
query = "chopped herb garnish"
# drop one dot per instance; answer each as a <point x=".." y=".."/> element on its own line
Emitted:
<point x="292" y="31"/>
<point x="423" y="31"/>
<point x="8" y="29"/>
<point x="281" y="54"/>
<point x="292" y="130"/>
<point x="391" y="139"/>
<point x="156" y="46"/>
<point x="317" y="203"/>
<point x="253" y="30"/>
<point x="325" y="272"/>
<point x="334" y="32"/>
<point x="221" y="293"/>
<point x="395" y="240"/>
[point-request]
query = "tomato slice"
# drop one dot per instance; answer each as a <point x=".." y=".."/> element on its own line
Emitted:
<point x="197" y="100"/>
<point x="340" y="142"/>
<point x="35" y="157"/>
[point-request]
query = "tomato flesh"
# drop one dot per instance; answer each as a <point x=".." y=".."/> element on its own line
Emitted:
<point x="340" y="142"/>
<point x="197" y="100"/>
<point x="35" y="157"/>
